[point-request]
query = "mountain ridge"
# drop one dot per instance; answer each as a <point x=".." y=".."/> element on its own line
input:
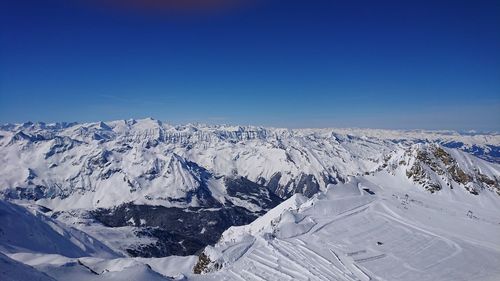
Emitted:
<point x="232" y="172"/>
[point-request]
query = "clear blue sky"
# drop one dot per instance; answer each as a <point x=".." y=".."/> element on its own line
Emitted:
<point x="384" y="64"/>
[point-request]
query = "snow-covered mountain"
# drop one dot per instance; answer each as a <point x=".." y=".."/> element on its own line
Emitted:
<point x="435" y="168"/>
<point x="148" y="188"/>
<point x="105" y="200"/>
<point x="68" y="165"/>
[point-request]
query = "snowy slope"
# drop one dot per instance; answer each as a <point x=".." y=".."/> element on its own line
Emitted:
<point x="91" y="268"/>
<point x="396" y="231"/>
<point x="12" y="270"/>
<point x="24" y="231"/>
<point x="36" y="247"/>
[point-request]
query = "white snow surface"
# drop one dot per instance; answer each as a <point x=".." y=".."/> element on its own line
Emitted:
<point x="36" y="247"/>
<point x="398" y="233"/>
<point x="25" y="230"/>
<point x="12" y="270"/>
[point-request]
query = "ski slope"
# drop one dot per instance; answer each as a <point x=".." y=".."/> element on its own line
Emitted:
<point x="397" y="233"/>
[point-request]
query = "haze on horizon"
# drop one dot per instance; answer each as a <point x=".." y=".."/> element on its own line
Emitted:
<point x="389" y="64"/>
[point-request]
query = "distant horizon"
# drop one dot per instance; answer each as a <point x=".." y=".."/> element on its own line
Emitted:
<point x="201" y="123"/>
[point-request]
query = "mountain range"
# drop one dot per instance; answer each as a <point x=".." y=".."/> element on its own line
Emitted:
<point x="223" y="198"/>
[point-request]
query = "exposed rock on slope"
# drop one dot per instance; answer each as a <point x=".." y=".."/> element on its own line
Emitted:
<point x="435" y="168"/>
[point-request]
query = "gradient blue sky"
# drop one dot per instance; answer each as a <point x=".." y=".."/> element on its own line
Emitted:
<point x="382" y="64"/>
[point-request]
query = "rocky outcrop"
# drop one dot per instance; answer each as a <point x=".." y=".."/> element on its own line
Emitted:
<point x="434" y="168"/>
